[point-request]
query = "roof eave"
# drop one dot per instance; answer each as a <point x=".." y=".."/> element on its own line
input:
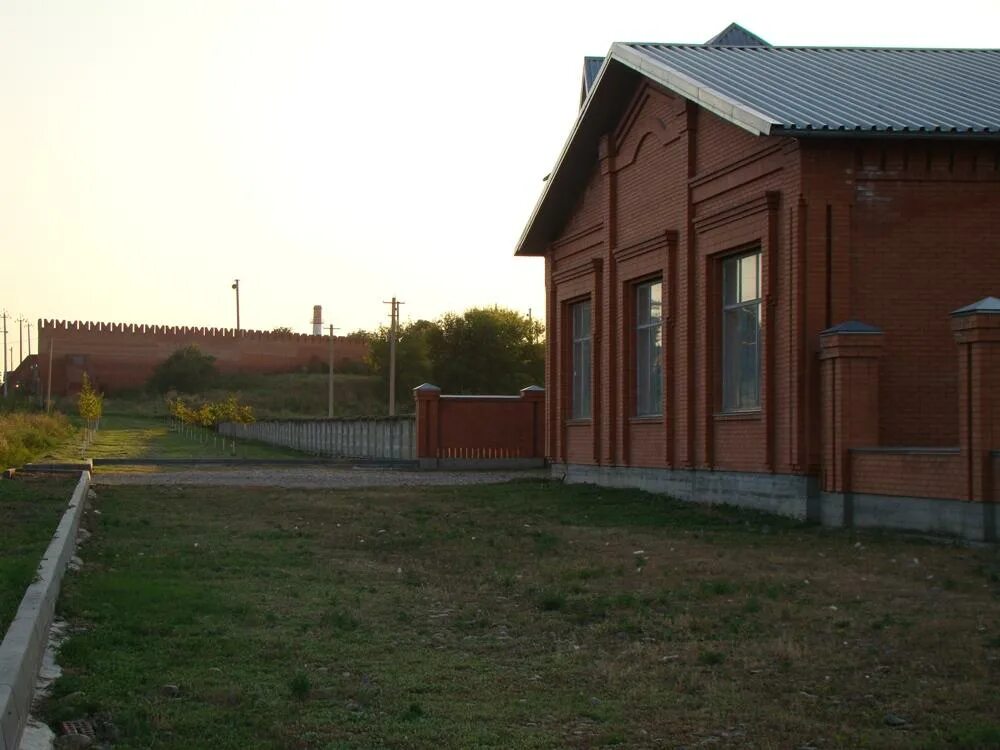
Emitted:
<point x="529" y="245"/>
<point x="821" y="133"/>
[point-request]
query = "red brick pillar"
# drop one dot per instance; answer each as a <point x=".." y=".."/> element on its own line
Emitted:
<point x="428" y="398"/>
<point x="977" y="331"/>
<point x="849" y="355"/>
<point x="535" y="396"/>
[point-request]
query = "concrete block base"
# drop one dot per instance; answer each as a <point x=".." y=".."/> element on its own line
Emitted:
<point x="784" y="494"/>
<point x="799" y="497"/>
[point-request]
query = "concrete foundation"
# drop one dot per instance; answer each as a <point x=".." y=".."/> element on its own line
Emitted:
<point x="482" y="464"/>
<point x="799" y="497"/>
<point x="24" y="644"/>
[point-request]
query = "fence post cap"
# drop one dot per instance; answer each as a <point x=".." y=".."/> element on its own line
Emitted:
<point x="985" y="306"/>
<point x="426" y="388"/>
<point x="851" y="326"/>
<point x="533" y="391"/>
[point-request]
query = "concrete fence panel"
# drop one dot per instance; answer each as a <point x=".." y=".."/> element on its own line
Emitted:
<point x="386" y="438"/>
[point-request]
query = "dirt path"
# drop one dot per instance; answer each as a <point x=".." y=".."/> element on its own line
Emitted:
<point x="312" y="477"/>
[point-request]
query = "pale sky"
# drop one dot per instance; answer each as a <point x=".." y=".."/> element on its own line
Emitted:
<point x="329" y="153"/>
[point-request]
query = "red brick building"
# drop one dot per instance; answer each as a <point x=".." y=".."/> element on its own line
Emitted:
<point x="753" y="255"/>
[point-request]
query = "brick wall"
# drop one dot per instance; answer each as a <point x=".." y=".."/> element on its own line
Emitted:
<point x="674" y="190"/>
<point x="117" y="356"/>
<point x="913" y="235"/>
<point x="908" y="473"/>
<point x="848" y="229"/>
<point x="897" y="233"/>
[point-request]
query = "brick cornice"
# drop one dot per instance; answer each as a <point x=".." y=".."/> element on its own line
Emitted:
<point x="756" y="205"/>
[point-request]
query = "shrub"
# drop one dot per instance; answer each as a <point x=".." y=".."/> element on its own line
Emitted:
<point x="209" y="414"/>
<point x="187" y="370"/>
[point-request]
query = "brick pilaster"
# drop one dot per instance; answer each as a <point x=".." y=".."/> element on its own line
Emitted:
<point x="849" y="355"/>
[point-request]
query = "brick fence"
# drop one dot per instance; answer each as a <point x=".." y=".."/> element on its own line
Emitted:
<point x="480" y="431"/>
<point x="854" y="461"/>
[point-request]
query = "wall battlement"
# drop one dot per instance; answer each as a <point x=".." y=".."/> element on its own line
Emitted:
<point x="145" y="329"/>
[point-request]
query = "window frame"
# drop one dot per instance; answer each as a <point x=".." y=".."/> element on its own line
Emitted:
<point x="734" y="375"/>
<point x="642" y="407"/>
<point x="581" y="375"/>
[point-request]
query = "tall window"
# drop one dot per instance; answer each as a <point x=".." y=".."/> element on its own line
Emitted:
<point x="580" y="314"/>
<point x="648" y="349"/>
<point x="741" y="332"/>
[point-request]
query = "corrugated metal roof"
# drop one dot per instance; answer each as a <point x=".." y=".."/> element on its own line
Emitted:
<point x="797" y="90"/>
<point x="735" y="35"/>
<point x="791" y="91"/>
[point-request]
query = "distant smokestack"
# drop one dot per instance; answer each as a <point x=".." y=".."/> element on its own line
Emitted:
<point x="317" y="320"/>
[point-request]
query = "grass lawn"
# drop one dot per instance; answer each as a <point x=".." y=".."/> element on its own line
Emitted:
<point x="29" y="514"/>
<point x="525" y="615"/>
<point x="145" y="437"/>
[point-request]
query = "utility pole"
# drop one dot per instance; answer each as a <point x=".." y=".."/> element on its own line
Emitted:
<point x="48" y="398"/>
<point x="20" y="339"/>
<point x="4" y="315"/>
<point x="330" y="401"/>
<point x="393" y="335"/>
<point x="27" y="325"/>
<point x="236" y="286"/>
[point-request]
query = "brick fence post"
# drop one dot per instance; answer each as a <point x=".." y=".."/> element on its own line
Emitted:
<point x="535" y="395"/>
<point x="428" y="398"/>
<point x="976" y="328"/>
<point x="849" y="355"/>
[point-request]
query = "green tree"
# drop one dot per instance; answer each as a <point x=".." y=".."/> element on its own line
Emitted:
<point x="90" y="403"/>
<point x="187" y="370"/>
<point x="413" y="361"/>
<point x="485" y="350"/>
<point x="488" y="350"/>
<point x="282" y="329"/>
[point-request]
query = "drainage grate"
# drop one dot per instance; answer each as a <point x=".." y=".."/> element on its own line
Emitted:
<point x="80" y="726"/>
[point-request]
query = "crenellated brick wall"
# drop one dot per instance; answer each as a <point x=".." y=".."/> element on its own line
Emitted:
<point x="120" y="356"/>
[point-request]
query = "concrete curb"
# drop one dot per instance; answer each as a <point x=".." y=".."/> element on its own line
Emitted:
<point x="24" y="644"/>
<point x="58" y="468"/>
<point x="334" y="462"/>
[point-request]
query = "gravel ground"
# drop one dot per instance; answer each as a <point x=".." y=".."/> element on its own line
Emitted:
<point x="321" y="477"/>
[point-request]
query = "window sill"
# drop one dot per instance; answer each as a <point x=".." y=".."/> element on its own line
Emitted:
<point x="578" y="422"/>
<point x="738" y="416"/>
<point x="657" y="419"/>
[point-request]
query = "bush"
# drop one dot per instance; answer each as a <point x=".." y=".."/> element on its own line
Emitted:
<point x="187" y="370"/>
<point x="209" y="414"/>
<point x="24" y="437"/>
